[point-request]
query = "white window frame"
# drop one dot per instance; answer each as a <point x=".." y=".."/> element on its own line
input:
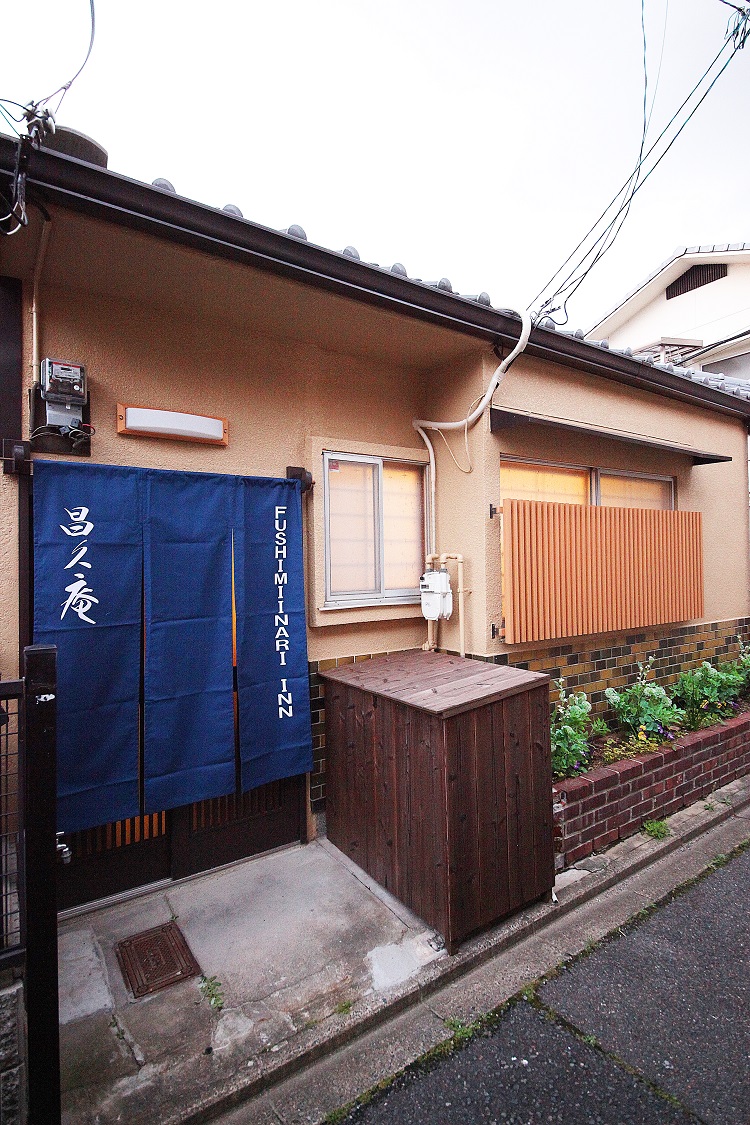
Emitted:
<point x="381" y="596"/>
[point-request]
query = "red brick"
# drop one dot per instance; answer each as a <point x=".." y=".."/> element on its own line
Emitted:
<point x="574" y="787"/>
<point x="605" y="839"/>
<point x="591" y="804"/>
<point x="604" y="778"/>
<point x="629" y="769"/>
<point x="579" y="853"/>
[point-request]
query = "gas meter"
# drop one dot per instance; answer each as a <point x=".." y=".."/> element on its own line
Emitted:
<point x="437" y="597"/>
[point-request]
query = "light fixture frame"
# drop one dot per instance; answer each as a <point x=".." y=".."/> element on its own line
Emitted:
<point x="123" y="428"/>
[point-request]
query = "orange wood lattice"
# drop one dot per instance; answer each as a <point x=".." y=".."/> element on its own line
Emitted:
<point x="571" y="570"/>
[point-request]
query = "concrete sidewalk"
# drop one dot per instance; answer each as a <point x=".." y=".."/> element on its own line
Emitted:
<point x="310" y="956"/>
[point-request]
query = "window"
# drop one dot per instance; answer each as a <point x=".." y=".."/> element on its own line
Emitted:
<point x="375" y="529"/>
<point x="604" y="487"/>
<point x="619" y="491"/>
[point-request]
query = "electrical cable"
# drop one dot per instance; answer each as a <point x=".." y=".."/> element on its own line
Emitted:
<point x="10" y="119"/>
<point x="625" y="203"/>
<point x="573" y="286"/>
<point x="66" y="86"/>
<point x="661" y="60"/>
<point x="610" y="234"/>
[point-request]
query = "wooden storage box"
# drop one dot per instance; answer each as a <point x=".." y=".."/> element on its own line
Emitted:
<point x="439" y="784"/>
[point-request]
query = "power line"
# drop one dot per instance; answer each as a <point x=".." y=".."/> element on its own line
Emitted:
<point x="39" y="122"/>
<point x="66" y="86"/>
<point x="738" y="31"/>
<point x="573" y="286"/>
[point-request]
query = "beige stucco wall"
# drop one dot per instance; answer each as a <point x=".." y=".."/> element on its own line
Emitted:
<point x="286" y="398"/>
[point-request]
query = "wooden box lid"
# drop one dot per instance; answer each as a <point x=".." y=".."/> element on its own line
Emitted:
<point x="435" y="682"/>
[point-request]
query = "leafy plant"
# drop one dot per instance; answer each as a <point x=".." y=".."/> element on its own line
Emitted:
<point x="210" y="989"/>
<point x="707" y="693"/>
<point x="644" y="708"/>
<point x="598" y="728"/>
<point x="656" y="829"/>
<point x="344" y="1008"/>
<point x="570" y="732"/>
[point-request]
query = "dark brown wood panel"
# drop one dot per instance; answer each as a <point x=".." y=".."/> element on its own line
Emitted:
<point x="463" y="823"/>
<point x="446" y="804"/>
<point x="492" y="828"/>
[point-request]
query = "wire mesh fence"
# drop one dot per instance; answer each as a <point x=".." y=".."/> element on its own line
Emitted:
<point x="12" y="881"/>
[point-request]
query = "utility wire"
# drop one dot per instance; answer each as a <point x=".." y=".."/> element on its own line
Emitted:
<point x="39" y="122"/>
<point x="572" y="286"/>
<point x="738" y="31"/>
<point x="66" y="86"/>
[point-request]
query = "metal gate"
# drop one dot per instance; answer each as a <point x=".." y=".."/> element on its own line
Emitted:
<point x="113" y="858"/>
<point x="28" y="859"/>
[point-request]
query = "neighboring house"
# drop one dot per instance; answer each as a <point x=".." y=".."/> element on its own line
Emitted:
<point x="605" y="516"/>
<point x="693" y="311"/>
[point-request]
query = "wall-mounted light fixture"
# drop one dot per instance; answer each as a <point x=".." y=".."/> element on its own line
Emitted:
<point x="146" y="421"/>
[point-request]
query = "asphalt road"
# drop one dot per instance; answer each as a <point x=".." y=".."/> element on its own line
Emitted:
<point x="652" y="1026"/>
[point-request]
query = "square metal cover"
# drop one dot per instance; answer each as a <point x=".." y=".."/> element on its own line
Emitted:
<point x="155" y="959"/>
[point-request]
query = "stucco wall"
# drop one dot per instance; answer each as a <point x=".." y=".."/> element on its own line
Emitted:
<point x="279" y="394"/>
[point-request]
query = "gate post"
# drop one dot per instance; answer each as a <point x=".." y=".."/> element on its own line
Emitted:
<point x="40" y="676"/>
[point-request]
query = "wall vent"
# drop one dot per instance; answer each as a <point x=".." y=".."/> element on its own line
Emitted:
<point x="694" y="278"/>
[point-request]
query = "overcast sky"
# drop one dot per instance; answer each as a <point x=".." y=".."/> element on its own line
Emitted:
<point x="475" y="140"/>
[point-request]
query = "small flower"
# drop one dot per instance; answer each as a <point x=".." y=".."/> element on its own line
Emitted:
<point x="670" y="737"/>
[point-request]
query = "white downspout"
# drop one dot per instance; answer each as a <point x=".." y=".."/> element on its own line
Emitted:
<point x="421" y="425"/>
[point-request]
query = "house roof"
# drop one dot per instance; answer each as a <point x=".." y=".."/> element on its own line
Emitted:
<point x="657" y="281"/>
<point x="86" y="189"/>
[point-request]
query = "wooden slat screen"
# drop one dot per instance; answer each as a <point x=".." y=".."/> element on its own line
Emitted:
<point x="571" y="570"/>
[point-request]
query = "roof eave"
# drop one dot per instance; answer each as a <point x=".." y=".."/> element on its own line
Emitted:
<point x="111" y="197"/>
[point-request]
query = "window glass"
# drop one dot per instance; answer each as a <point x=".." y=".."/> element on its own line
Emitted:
<point x="544" y="482"/>
<point x="352" y="508"/>
<point x="375" y="538"/>
<point x="634" y="492"/>
<point x="403" y="525"/>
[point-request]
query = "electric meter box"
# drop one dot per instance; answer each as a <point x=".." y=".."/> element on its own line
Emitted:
<point x="63" y="382"/>
<point x="436" y="594"/>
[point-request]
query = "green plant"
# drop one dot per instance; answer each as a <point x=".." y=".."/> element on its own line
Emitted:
<point x="462" y="1030"/>
<point x="210" y="989"/>
<point x="344" y="1008"/>
<point x="570" y="730"/>
<point x="644" y="708"/>
<point x="598" y="728"/>
<point x="706" y="693"/>
<point x="656" y="829"/>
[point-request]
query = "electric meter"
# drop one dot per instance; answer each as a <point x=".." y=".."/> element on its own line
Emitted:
<point x="63" y="382"/>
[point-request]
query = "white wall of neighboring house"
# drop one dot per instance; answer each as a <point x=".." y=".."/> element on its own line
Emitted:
<point x="704" y="316"/>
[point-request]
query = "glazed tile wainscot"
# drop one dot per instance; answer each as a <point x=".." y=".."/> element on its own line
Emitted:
<point x="596" y="809"/>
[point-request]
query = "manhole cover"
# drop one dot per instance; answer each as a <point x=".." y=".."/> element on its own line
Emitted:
<point x="155" y="959"/>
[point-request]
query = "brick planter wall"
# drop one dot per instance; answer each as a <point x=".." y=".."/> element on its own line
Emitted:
<point x="599" y="808"/>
